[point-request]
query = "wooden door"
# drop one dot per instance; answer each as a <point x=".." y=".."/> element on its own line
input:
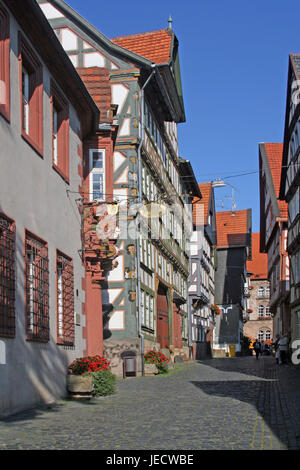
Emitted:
<point x="162" y="320"/>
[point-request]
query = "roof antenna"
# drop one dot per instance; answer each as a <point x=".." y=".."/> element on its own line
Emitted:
<point x="170" y="22"/>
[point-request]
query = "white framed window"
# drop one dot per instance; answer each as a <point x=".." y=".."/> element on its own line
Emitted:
<point x="268" y="335"/>
<point x="261" y="335"/>
<point x="261" y="310"/>
<point x="261" y="291"/>
<point x="143" y="306"/>
<point x="54" y="135"/>
<point x="25" y="99"/>
<point x="147" y="307"/>
<point x="151" y="312"/>
<point x="97" y="174"/>
<point x="267" y="291"/>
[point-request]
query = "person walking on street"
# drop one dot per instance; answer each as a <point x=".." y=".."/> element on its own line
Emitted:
<point x="257" y="348"/>
<point x="283" y="348"/>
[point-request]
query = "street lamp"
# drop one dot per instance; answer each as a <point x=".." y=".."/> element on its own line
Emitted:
<point x="218" y="183"/>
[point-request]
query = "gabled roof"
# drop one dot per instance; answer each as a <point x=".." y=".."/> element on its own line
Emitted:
<point x="161" y="46"/>
<point x="273" y="153"/>
<point x="233" y="228"/>
<point x="258" y="265"/>
<point x="205" y="189"/>
<point x="154" y="45"/>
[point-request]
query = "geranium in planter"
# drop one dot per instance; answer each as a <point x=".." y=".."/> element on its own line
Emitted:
<point x="82" y="375"/>
<point x="157" y="358"/>
<point x="215" y="309"/>
<point x="88" y="364"/>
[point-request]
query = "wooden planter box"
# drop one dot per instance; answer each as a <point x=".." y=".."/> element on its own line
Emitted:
<point x="80" y="386"/>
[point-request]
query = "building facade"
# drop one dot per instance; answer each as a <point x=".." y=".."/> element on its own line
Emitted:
<point x="202" y="272"/>
<point x="144" y="299"/>
<point x="46" y="115"/>
<point x="273" y="234"/>
<point x="259" y="324"/>
<point x="290" y="188"/>
<point x="233" y="251"/>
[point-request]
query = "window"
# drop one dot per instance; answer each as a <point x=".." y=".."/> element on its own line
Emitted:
<point x="65" y="299"/>
<point x="36" y="288"/>
<point x="260" y="335"/>
<point x="261" y="310"/>
<point x="4" y="63"/>
<point x="60" y="133"/>
<point x="147" y="307"/>
<point x="294" y="206"/>
<point x="31" y="90"/>
<point x="267" y="292"/>
<point x="267" y="335"/>
<point x="7" y="277"/>
<point x="261" y="291"/>
<point x="268" y="313"/>
<point x="97" y="175"/>
<point x="25" y="100"/>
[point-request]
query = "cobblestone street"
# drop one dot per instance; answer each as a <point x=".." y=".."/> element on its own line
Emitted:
<point x="225" y="404"/>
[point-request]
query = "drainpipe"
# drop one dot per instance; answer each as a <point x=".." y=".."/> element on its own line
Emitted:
<point x="140" y="200"/>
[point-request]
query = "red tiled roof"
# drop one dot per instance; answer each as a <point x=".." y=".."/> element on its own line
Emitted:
<point x="96" y="80"/>
<point x="205" y="189"/>
<point x="155" y="45"/>
<point x="232" y="228"/>
<point x="274" y="154"/>
<point x="258" y="266"/>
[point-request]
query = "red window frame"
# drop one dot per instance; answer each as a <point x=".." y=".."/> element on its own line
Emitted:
<point x="65" y="299"/>
<point x="7" y="276"/>
<point x="33" y="133"/>
<point x="4" y="63"/>
<point x="36" y="288"/>
<point x="60" y="158"/>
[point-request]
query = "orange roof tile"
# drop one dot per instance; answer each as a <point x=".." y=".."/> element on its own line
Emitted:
<point x="232" y="228"/>
<point x="258" y="266"/>
<point x="274" y="154"/>
<point x="155" y="45"/>
<point x="96" y="80"/>
<point x="205" y="189"/>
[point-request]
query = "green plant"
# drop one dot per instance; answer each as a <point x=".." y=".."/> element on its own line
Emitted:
<point x="157" y="358"/>
<point x="104" y="383"/>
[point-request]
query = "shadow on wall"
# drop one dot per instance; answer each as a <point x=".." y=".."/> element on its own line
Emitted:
<point x="31" y="372"/>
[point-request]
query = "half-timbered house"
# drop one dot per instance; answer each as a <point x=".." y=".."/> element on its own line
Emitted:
<point x="273" y="234"/>
<point x="202" y="272"/>
<point x="290" y="187"/>
<point x="144" y="297"/>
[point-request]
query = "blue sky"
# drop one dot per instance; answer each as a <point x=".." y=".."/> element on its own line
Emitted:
<point x="234" y="59"/>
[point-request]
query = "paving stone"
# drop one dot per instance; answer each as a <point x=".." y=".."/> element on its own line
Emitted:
<point x="227" y="403"/>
